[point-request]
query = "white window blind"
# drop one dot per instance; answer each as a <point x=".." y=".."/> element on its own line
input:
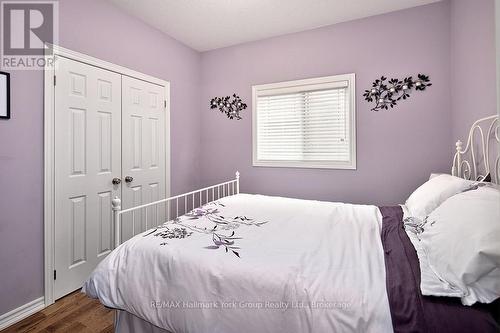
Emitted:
<point x="307" y="123"/>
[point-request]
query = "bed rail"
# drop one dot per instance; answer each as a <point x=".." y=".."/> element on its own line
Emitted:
<point x="480" y="156"/>
<point x="171" y="206"/>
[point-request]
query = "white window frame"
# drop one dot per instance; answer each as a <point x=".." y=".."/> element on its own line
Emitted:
<point x="307" y="84"/>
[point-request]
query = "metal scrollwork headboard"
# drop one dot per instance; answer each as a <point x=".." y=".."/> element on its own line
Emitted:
<point x="480" y="156"/>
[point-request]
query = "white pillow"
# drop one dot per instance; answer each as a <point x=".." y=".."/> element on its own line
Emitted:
<point x="433" y="175"/>
<point x="433" y="192"/>
<point x="460" y="247"/>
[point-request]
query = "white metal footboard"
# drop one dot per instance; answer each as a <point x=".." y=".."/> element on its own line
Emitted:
<point x="188" y="201"/>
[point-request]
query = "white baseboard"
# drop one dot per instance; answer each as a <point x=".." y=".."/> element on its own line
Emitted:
<point x="18" y="314"/>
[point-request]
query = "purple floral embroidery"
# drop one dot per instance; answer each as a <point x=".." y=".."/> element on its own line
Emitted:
<point x="225" y="241"/>
<point x="200" y="212"/>
<point x="174" y="233"/>
<point x="214" y="215"/>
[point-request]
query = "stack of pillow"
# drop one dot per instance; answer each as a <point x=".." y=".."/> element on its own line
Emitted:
<point x="454" y="225"/>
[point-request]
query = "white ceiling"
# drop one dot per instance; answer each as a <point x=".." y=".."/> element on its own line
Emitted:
<point x="211" y="24"/>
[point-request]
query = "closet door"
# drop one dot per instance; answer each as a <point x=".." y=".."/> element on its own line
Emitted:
<point x="87" y="158"/>
<point x="143" y="159"/>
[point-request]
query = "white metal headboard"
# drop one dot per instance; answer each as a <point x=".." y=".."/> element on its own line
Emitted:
<point x="480" y="155"/>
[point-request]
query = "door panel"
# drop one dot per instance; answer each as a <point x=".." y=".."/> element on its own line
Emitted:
<point x="88" y="156"/>
<point x="143" y="117"/>
<point x="106" y="239"/>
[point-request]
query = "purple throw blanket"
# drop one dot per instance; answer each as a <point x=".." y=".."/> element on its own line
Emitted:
<point x="410" y="310"/>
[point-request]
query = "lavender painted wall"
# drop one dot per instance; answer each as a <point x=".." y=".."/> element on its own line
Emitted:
<point x="101" y="30"/>
<point x="473" y="76"/>
<point x="397" y="150"/>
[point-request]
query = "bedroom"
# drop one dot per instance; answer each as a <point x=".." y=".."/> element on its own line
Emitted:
<point x="192" y="52"/>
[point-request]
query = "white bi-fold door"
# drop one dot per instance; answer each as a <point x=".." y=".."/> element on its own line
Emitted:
<point x="87" y="158"/>
<point x="143" y="161"/>
<point x="109" y="141"/>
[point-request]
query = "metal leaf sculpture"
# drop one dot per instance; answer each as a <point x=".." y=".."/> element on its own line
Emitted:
<point x="230" y="107"/>
<point x="388" y="93"/>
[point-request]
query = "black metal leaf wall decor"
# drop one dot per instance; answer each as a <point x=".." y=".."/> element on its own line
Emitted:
<point x="387" y="93"/>
<point x="231" y="107"/>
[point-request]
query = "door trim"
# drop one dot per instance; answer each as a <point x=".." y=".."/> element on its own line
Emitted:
<point x="49" y="151"/>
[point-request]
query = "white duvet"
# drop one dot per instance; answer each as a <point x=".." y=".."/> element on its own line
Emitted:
<point x="297" y="266"/>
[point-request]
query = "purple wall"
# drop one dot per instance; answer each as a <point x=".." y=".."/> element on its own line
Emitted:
<point x="473" y="75"/>
<point x="396" y="150"/>
<point x="98" y="29"/>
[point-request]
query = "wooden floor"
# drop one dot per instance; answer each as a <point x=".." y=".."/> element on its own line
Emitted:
<point x="73" y="313"/>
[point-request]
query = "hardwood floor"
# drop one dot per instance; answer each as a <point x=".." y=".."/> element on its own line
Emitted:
<point x="73" y="313"/>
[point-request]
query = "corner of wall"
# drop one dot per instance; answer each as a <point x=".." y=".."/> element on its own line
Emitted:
<point x="472" y="59"/>
<point x="497" y="39"/>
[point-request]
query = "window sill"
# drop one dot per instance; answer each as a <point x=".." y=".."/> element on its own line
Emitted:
<point x="306" y="165"/>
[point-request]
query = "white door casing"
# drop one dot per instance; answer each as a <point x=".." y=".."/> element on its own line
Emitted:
<point x="88" y="157"/>
<point x="143" y="160"/>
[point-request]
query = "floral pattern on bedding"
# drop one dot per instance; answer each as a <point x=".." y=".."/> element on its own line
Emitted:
<point x="416" y="225"/>
<point x="179" y="227"/>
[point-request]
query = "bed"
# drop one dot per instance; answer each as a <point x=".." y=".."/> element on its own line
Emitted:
<point x="233" y="262"/>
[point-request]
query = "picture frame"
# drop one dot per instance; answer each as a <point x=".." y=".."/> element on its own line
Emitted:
<point x="4" y="95"/>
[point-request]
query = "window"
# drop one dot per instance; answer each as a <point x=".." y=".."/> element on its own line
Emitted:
<point x="306" y="123"/>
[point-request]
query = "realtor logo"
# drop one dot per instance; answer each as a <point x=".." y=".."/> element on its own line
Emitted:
<point x="26" y="28"/>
